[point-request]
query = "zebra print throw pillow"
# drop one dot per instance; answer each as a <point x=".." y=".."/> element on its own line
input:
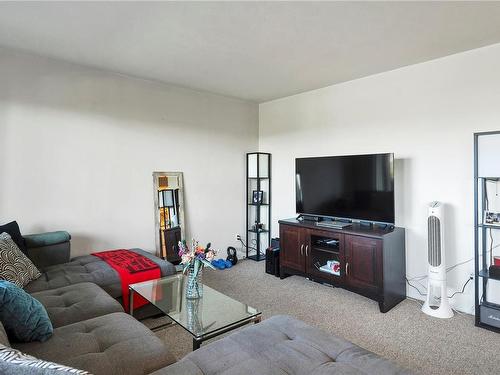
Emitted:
<point x="12" y="359"/>
<point x="14" y="265"/>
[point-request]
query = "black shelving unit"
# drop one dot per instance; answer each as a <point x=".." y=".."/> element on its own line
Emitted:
<point x="258" y="212"/>
<point x="487" y="312"/>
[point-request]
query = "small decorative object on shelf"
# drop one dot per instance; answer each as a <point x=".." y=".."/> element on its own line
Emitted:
<point x="257" y="196"/>
<point x="194" y="259"/>
<point x="258" y="208"/>
<point x="258" y="227"/>
<point x="495" y="268"/>
<point x="491" y="218"/>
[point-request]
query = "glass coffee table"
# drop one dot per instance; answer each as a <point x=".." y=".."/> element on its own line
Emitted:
<point x="204" y="318"/>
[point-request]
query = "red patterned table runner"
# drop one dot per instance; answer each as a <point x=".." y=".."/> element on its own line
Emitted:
<point x="132" y="268"/>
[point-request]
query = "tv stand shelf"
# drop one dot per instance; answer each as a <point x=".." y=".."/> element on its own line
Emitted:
<point x="324" y="249"/>
<point x="372" y="259"/>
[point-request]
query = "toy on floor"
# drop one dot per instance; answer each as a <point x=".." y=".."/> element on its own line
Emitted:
<point x="221" y="264"/>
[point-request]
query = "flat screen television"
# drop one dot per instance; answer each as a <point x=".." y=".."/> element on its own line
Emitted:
<point x="349" y="187"/>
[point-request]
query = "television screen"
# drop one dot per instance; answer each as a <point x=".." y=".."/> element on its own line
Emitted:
<point x="352" y="187"/>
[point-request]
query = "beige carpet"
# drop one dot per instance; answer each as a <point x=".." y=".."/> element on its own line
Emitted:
<point x="404" y="334"/>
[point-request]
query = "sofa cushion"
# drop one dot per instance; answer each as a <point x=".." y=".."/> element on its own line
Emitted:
<point x="15" y="266"/>
<point x="47" y="238"/>
<point x="82" y="269"/>
<point x="74" y="303"/>
<point x="12" y="228"/>
<point x="23" y="317"/>
<point x="278" y="346"/>
<point x="13" y="362"/>
<point x="111" y="344"/>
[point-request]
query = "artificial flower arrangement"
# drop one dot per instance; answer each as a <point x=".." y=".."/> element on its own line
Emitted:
<point x="196" y="257"/>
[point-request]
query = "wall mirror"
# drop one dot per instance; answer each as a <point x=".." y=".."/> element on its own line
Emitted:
<point x="169" y="214"/>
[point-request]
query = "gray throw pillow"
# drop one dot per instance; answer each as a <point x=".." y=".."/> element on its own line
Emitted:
<point x="14" y="265"/>
<point x="14" y="362"/>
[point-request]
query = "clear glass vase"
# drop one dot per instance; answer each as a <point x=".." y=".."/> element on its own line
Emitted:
<point x="194" y="315"/>
<point x="194" y="287"/>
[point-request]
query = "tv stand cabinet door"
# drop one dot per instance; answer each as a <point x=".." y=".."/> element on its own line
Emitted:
<point x="363" y="267"/>
<point x="292" y="243"/>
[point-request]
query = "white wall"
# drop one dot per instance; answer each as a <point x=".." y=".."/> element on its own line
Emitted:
<point x="426" y="114"/>
<point x="78" y="147"/>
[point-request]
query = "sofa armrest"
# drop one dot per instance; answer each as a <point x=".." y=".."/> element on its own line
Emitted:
<point x="48" y="249"/>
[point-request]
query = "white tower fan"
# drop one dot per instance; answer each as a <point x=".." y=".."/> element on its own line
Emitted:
<point x="437" y="303"/>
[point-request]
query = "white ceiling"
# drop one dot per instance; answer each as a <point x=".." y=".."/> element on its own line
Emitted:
<point x="252" y="50"/>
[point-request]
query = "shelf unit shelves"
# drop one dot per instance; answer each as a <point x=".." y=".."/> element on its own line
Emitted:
<point x="486" y="286"/>
<point x="258" y="208"/>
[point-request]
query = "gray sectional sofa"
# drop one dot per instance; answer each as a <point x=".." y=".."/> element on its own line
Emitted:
<point x="91" y="330"/>
<point x="282" y="345"/>
<point x="92" y="333"/>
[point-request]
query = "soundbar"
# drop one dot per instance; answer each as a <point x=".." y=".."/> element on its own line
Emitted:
<point x="333" y="224"/>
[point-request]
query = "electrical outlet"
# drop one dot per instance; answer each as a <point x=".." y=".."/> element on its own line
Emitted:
<point x="471" y="276"/>
<point x="238" y="237"/>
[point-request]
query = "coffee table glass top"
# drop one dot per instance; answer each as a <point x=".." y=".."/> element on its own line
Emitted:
<point x="213" y="312"/>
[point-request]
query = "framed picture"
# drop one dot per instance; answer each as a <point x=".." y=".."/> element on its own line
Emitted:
<point x="492" y="218"/>
<point x="257" y="196"/>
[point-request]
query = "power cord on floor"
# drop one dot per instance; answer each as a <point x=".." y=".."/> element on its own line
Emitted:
<point x="414" y="287"/>
<point x="463" y="288"/>
<point x="453" y="295"/>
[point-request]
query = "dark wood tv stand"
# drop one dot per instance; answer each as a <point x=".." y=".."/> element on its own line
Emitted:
<point x="372" y="260"/>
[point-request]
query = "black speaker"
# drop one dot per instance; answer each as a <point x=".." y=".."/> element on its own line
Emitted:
<point x="273" y="258"/>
